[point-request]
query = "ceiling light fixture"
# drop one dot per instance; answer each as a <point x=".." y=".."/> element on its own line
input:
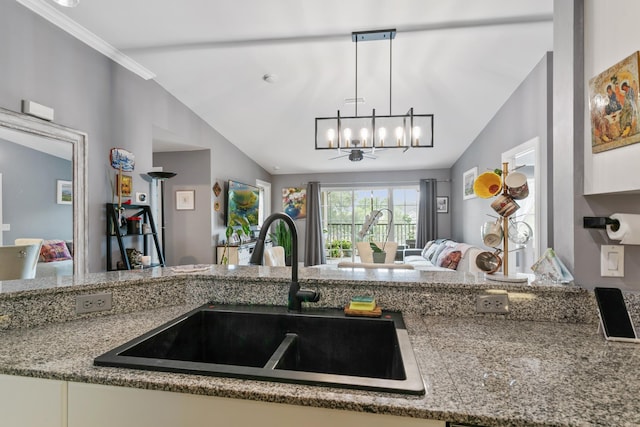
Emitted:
<point x="67" y="3"/>
<point x="405" y="131"/>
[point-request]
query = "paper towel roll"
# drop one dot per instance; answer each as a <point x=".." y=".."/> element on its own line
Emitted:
<point x="629" y="231"/>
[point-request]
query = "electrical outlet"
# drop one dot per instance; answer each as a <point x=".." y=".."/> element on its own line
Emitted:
<point x="92" y="303"/>
<point x="492" y="303"/>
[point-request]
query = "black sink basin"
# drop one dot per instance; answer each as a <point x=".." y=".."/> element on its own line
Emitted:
<point x="322" y="347"/>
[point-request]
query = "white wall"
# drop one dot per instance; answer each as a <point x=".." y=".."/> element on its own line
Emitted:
<point x="610" y="35"/>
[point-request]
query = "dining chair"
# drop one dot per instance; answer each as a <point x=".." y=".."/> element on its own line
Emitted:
<point x="274" y="256"/>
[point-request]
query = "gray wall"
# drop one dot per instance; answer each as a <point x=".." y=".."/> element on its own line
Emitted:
<point x="193" y="170"/>
<point x="582" y="246"/>
<point x="116" y="108"/>
<point x="362" y="178"/>
<point x="524" y="116"/>
<point x="29" y="194"/>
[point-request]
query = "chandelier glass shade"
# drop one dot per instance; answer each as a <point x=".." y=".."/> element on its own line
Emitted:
<point x="363" y="135"/>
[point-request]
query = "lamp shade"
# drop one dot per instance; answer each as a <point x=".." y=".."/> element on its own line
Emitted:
<point x="161" y="175"/>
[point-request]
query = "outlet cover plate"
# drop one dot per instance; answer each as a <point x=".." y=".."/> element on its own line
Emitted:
<point x="492" y="303"/>
<point x="612" y="261"/>
<point x="92" y="303"/>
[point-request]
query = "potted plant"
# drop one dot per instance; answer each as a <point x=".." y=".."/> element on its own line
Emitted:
<point x="282" y="237"/>
<point x="345" y="245"/>
<point x="244" y="229"/>
<point x="335" y="248"/>
<point x="379" y="255"/>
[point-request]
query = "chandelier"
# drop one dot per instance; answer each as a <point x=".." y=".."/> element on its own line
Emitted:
<point x="357" y="137"/>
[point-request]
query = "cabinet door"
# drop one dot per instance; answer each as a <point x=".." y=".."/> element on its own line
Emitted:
<point x="32" y="402"/>
<point x="106" y="406"/>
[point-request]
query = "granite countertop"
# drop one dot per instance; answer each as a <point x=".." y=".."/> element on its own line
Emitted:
<point x="479" y="370"/>
<point x="398" y="277"/>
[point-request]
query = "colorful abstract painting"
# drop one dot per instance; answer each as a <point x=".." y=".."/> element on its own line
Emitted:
<point x="294" y="202"/>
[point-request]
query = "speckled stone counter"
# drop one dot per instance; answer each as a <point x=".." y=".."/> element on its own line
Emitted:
<point x="486" y="371"/>
<point x="29" y="303"/>
<point x="490" y="370"/>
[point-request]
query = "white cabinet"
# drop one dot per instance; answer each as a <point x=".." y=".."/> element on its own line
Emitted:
<point x="32" y="402"/>
<point x="107" y="406"/>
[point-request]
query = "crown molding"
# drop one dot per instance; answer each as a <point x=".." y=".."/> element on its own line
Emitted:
<point x="62" y="21"/>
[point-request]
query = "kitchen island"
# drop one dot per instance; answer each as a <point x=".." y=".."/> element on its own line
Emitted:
<point x="489" y="370"/>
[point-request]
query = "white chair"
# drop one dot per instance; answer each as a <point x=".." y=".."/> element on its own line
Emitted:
<point x="366" y="254"/>
<point x="17" y="261"/>
<point x="31" y="241"/>
<point x="274" y="256"/>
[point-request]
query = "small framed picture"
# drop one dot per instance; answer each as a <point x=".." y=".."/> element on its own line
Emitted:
<point x="124" y="184"/>
<point x="185" y="200"/>
<point x="64" y="193"/>
<point x="468" y="178"/>
<point x="142" y="198"/>
<point x="442" y="204"/>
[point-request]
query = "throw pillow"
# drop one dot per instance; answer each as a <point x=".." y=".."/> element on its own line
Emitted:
<point x="426" y="248"/>
<point x="449" y="259"/>
<point x="447" y="244"/>
<point x="54" y="250"/>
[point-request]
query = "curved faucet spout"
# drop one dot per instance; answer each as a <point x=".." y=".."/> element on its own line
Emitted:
<point x="296" y="295"/>
<point x="258" y="251"/>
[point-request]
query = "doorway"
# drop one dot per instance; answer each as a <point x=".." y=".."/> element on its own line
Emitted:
<point x="523" y="250"/>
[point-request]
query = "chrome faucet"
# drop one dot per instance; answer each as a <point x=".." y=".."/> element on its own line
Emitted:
<point x="296" y="295"/>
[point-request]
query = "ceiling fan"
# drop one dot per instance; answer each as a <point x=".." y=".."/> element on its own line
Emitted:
<point x="356" y="153"/>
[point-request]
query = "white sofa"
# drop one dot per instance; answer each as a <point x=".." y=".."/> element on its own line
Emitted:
<point x="444" y="255"/>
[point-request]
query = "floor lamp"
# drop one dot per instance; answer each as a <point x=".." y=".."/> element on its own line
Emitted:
<point x="162" y="177"/>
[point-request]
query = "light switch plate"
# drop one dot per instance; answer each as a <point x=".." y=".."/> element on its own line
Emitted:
<point x="612" y="261"/>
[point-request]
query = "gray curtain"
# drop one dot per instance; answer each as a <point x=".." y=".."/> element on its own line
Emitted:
<point x="314" y="245"/>
<point x="427" y="216"/>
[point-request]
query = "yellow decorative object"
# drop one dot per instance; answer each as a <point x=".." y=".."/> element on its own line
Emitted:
<point x="488" y="184"/>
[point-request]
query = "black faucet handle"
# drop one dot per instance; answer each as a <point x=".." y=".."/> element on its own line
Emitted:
<point x="308" y="295"/>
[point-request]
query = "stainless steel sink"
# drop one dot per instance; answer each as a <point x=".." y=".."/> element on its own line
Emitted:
<point x="320" y="347"/>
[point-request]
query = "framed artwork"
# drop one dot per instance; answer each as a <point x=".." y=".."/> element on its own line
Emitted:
<point x="217" y="189"/>
<point x="442" y="204"/>
<point x="122" y="159"/>
<point x="613" y="106"/>
<point x="294" y="202"/>
<point x="185" y="200"/>
<point x="467" y="183"/>
<point x="64" y="193"/>
<point x="124" y="183"/>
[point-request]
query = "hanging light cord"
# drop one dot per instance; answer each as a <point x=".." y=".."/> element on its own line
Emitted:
<point x="390" y="70"/>
<point x="356" y="98"/>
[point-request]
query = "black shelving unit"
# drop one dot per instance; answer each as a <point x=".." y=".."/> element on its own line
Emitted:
<point x="120" y="234"/>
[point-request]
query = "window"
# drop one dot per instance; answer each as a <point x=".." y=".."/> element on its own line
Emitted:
<point x="344" y="211"/>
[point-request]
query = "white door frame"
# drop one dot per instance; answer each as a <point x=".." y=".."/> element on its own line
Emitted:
<point x="508" y="156"/>
<point x="265" y="187"/>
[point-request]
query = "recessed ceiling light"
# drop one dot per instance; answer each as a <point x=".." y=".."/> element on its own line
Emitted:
<point x="270" y="78"/>
<point x="67" y="3"/>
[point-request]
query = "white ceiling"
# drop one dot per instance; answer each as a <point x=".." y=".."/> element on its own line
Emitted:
<point x="457" y="59"/>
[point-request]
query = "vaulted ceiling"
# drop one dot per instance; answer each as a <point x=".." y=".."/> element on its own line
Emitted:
<point x="457" y="59"/>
